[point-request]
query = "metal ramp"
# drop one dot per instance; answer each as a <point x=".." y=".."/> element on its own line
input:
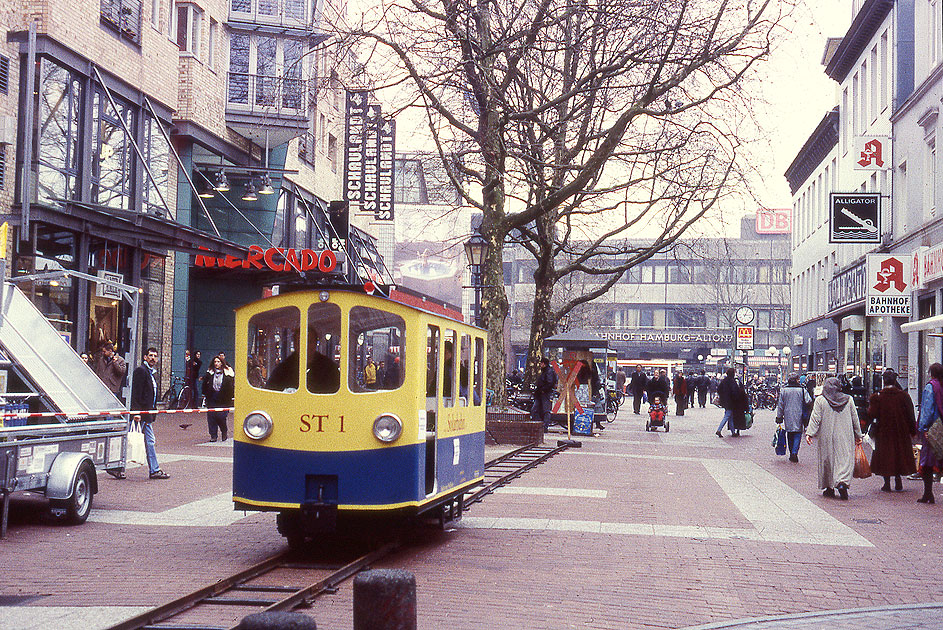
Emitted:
<point x="31" y="343"/>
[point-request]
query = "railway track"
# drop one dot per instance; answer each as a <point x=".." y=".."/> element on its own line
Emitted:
<point x="287" y="582"/>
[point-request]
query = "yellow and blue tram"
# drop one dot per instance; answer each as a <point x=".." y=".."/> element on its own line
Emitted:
<point x="351" y="405"/>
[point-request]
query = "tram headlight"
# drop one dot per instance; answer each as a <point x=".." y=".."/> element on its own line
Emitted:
<point x="387" y="428"/>
<point x="257" y="425"/>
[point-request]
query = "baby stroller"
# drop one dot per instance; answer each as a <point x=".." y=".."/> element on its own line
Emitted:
<point x="657" y="410"/>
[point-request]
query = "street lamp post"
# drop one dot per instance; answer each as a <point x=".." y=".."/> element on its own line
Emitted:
<point x="786" y="352"/>
<point x="774" y="352"/>
<point x="476" y="250"/>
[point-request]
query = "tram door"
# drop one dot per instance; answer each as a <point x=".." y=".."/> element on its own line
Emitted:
<point x="432" y="404"/>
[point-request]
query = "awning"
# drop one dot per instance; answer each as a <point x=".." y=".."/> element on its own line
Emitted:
<point x="923" y="324"/>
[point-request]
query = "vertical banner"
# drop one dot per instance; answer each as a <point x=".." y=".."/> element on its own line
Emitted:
<point x="371" y="161"/>
<point x="387" y="129"/>
<point x="354" y="149"/>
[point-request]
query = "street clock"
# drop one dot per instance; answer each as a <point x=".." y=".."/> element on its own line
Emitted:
<point x="745" y="315"/>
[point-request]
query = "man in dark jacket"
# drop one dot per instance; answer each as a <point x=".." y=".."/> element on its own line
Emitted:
<point x="733" y="398"/>
<point x="637" y="385"/>
<point x="543" y="388"/>
<point x="144" y="398"/>
<point x="659" y="385"/>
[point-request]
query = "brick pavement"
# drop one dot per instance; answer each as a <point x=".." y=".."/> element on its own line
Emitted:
<point x="633" y="530"/>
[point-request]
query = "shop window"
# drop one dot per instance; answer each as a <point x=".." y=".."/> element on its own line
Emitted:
<point x="376" y="336"/>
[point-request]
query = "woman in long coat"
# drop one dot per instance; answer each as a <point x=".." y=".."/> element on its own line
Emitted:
<point x="893" y="410"/>
<point x="680" y="391"/>
<point x="834" y="422"/>
<point x="931" y="405"/>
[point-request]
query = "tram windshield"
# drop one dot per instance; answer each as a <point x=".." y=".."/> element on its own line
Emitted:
<point x="273" y="338"/>
<point x="376" y="357"/>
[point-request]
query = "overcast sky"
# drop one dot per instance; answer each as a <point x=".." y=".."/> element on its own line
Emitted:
<point x="799" y="92"/>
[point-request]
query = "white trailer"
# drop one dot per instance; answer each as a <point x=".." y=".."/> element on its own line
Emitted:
<point x="76" y="426"/>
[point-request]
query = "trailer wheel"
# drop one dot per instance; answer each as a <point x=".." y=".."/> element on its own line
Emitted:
<point x="78" y="506"/>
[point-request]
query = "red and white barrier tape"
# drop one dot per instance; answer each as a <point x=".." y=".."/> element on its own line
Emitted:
<point x="87" y="414"/>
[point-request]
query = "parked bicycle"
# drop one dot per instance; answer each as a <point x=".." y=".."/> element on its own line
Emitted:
<point x="764" y="396"/>
<point x="614" y="400"/>
<point x="174" y="399"/>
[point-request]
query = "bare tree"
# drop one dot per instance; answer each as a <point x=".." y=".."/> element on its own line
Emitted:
<point x="550" y="103"/>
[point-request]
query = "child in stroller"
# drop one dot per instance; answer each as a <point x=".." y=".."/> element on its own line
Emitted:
<point x="657" y="410"/>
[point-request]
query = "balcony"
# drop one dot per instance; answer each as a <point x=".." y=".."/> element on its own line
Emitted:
<point x="260" y="105"/>
<point x="274" y="16"/>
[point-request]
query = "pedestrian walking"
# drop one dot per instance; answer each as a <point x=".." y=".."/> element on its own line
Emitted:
<point x="543" y="388"/>
<point x="702" y="385"/>
<point x="931" y="408"/>
<point x="791" y="413"/>
<point x="892" y="411"/>
<point x="218" y="388"/>
<point x="834" y="421"/>
<point x="733" y="398"/>
<point x="144" y="398"/>
<point x="111" y="368"/>
<point x="620" y="380"/>
<point x="192" y="364"/>
<point x="679" y="389"/>
<point x="637" y="384"/>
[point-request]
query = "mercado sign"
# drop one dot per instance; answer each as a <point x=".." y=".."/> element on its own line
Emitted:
<point x="661" y="336"/>
<point x="274" y="259"/>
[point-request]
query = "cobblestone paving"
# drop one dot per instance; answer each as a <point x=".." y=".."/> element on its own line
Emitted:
<point x="634" y="530"/>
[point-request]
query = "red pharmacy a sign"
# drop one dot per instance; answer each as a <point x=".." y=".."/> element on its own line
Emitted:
<point x="273" y="259"/>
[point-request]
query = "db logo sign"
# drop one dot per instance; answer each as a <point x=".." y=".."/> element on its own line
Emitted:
<point x="774" y="221"/>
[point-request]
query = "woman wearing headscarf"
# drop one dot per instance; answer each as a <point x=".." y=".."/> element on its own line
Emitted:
<point x="793" y="401"/>
<point x="834" y="421"/>
<point x="893" y="411"/>
<point x="931" y="408"/>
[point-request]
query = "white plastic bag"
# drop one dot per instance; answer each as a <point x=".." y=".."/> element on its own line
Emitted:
<point x="137" y="454"/>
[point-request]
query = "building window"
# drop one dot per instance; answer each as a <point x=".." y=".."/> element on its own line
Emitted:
<point x="211" y="44"/>
<point x="409" y="182"/>
<point x="123" y="16"/>
<point x="332" y="151"/>
<point x="4" y="75"/>
<point x="60" y="97"/>
<point x="189" y="18"/>
<point x="111" y="154"/>
<point x="157" y="152"/>
<point x="239" y="69"/>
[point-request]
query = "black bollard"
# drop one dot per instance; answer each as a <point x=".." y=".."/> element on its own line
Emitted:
<point x="385" y="599"/>
<point x="277" y="621"/>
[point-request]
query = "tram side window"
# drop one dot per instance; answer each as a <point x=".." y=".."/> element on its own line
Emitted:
<point x="273" y="340"/>
<point x="463" y="373"/>
<point x="478" y="371"/>
<point x="323" y="354"/>
<point x="432" y="361"/>
<point x="448" y="369"/>
<point x="376" y="350"/>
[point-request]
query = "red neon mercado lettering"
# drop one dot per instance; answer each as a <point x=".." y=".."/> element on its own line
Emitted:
<point x="274" y="258"/>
